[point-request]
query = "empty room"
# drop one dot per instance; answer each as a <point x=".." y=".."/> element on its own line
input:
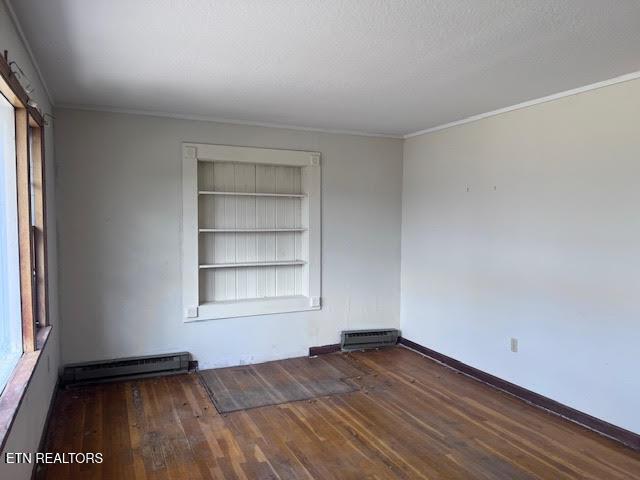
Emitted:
<point x="319" y="239"/>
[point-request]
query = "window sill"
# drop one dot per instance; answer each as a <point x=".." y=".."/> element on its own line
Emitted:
<point x="14" y="392"/>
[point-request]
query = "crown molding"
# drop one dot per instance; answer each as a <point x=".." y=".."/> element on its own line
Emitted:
<point x="207" y="118"/>
<point x="27" y="47"/>
<point x="529" y="103"/>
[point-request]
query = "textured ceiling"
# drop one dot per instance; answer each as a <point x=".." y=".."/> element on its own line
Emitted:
<point x="377" y="66"/>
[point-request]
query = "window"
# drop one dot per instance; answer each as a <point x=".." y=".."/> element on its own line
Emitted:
<point x="10" y="313"/>
<point x="251" y="231"/>
<point x="24" y="324"/>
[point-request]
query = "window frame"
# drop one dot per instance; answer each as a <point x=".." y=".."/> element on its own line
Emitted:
<point x="32" y="244"/>
<point x="40" y="255"/>
<point x="309" y="162"/>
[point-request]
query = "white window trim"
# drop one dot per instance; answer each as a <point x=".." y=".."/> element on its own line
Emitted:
<point x="311" y="182"/>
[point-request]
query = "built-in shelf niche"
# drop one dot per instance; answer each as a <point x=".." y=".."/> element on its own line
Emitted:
<point x="257" y="229"/>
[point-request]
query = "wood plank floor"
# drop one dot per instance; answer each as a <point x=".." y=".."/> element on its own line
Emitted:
<point x="284" y="381"/>
<point x="410" y="419"/>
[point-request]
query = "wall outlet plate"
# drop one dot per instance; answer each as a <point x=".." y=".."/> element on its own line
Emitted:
<point x="514" y="345"/>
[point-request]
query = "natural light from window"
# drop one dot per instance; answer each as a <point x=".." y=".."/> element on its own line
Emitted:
<point x="10" y="316"/>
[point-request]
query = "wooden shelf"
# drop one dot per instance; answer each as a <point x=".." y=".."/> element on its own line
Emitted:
<point x="252" y="194"/>
<point x="274" y="263"/>
<point x="251" y="230"/>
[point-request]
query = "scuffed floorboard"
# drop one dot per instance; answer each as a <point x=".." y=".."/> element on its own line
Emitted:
<point x="410" y="418"/>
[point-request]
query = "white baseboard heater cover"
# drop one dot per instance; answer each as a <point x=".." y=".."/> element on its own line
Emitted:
<point x="126" y="368"/>
<point x="363" y="339"/>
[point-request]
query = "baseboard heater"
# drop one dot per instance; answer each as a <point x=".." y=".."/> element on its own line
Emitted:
<point x="365" y="339"/>
<point x="125" y="368"/>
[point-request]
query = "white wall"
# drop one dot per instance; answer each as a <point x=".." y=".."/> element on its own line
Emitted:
<point x="551" y="256"/>
<point x="27" y="428"/>
<point x="120" y="206"/>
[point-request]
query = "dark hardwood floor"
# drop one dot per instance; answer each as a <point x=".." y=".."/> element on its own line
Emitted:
<point x="283" y="381"/>
<point x="410" y="418"/>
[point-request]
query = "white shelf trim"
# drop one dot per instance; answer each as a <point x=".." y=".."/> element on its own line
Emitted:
<point x="274" y="263"/>
<point x="252" y="194"/>
<point x="256" y="299"/>
<point x="251" y="230"/>
<point x="293" y="177"/>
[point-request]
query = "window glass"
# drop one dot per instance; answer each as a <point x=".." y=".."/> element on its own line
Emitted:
<point x="10" y="317"/>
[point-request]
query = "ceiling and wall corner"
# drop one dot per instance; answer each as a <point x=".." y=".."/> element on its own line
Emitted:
<point x="366" y="66"/>
<point x="28" y="50"/>
<point x="556" y="96"/>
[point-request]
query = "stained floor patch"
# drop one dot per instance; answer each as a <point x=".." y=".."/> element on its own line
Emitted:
<point x="272" y="383"/>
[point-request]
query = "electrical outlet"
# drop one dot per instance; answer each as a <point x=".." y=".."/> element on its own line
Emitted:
<point x="514" y="345"/>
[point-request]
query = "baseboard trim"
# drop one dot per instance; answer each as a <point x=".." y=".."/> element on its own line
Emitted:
<point x="334" y="347"/>
<point x="626" y="437"/>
